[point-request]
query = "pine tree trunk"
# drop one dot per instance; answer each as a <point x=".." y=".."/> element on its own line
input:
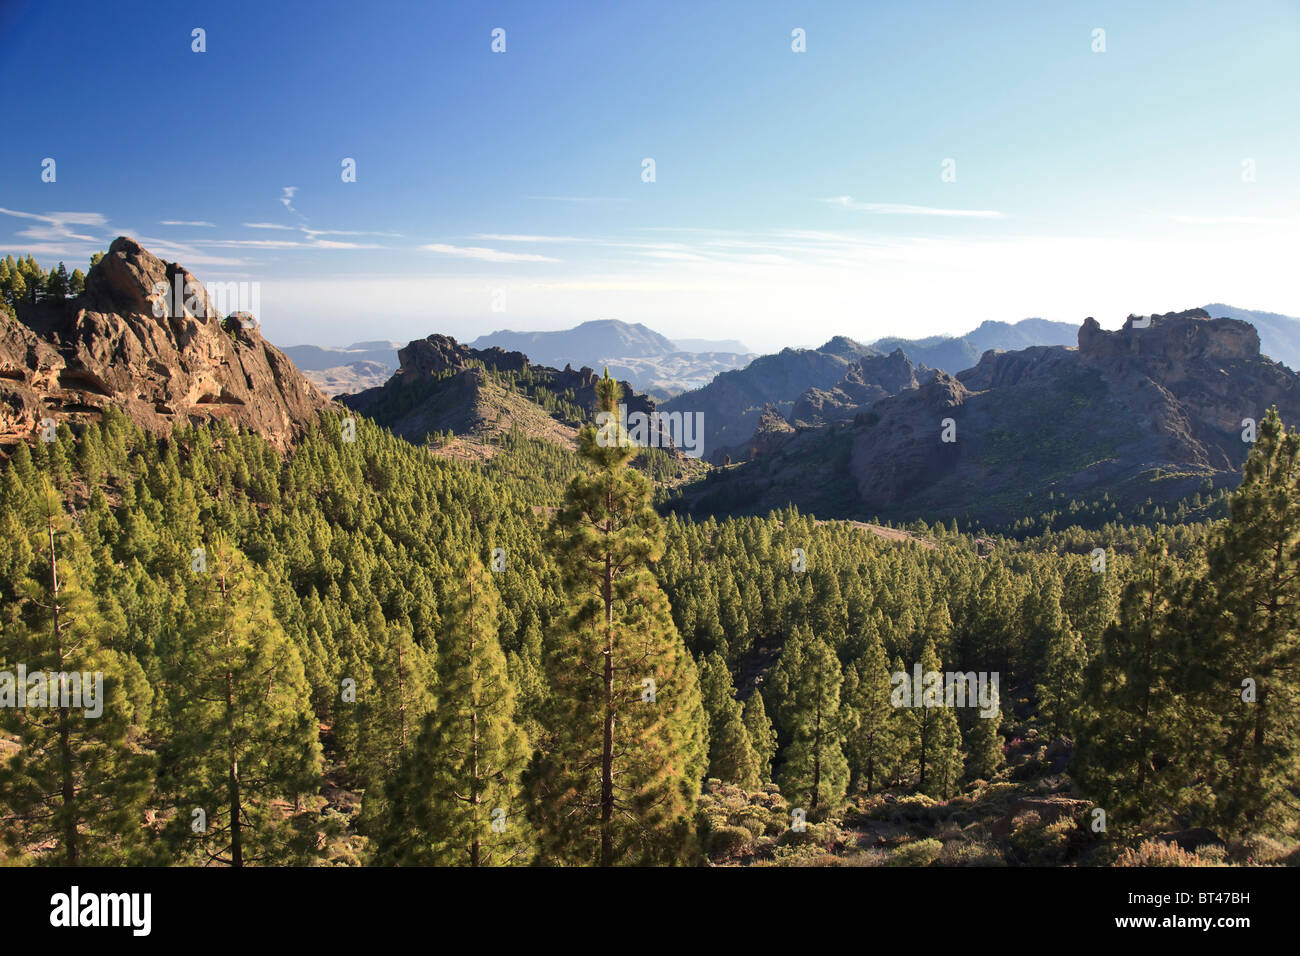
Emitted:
<point x="607" y="746"/>
<point x="69" y="788"/>
<point x="925" y="721"/>
<point x="476" y="797"/>
<point x="236" y="832"/>
<point x="817" y="760"/>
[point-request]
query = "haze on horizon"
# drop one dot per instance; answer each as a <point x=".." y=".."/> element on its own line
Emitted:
<point x="911" y="172"/>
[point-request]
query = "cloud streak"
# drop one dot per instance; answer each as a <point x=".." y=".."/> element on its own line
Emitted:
<point x="905" y="209"/>
<point x="484" y="254"/>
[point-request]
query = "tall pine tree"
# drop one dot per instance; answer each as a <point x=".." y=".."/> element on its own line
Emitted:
<point x="455" y="800"/>
<point x="245" y="749"/>
<point x="620" y="770"/>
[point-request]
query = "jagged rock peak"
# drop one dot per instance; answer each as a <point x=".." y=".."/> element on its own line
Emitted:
<point x="1175" y="336"/>
<point x="146" y="337"/>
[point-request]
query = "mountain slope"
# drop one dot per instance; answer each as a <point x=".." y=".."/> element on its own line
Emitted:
<point x="68" y="359"/>
<point x="1279" y="335"/>
<point x="468" y="399"/>
<point x="954" y="355"/>
<point x="1142" y="412"/>
<point x="808" y="389"/>
<point x="652" y="363"/>
<point x="586" y="344"/>
<point x="870" y="379"/>
<point x="734" y="401"/>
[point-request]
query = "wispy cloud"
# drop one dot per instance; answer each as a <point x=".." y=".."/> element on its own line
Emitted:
<point x="904" y="209"/>
<point x="335" y="244"/>
<point x="195" y="223"/>
<point x="54" y="225"/>
<point x="266" y="225"/>
<point x="287" y="198"/>
<point x="484" y="254"/>
<point x="511" y="237"/>
<point x="348" y="232"/>
<point x="252" y="243"/>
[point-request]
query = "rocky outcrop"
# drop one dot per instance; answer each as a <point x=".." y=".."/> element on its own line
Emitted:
<point x="1176" y="340"/>
<point x="1153" y="411"/>
<point x="870" y="379"/>
<point x="733" y="402"/>
<point x="770" y="433"/>
<point x="445" y="385"/>
<point x="904" y="450"/>
<point x="160" y="358"/>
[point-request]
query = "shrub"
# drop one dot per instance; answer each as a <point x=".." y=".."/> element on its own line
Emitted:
<point x="917" y="853"/>
<point x="726" y="842"/>
<point x="1159" y="853"/>
<point x="970" y="853"/>
<point x="1039" y="845"/>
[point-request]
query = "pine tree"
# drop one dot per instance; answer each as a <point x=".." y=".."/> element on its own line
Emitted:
<point x="984" y="746"/>
<point x="245" y="737"/>
<point x="1062" y="680"/>
<point x="731" y="755"/>
<point x="814" y="768"/>
<point x="1253" y="636"/>
<point x="872" y="742"/>
<point x="77" y="786"/>
<point x="57" y="283"/>
<point x="390" y="716"/>
<point x="619" y="774"/>
<point x="945" y="757"/>
<point x="456" y="798"/>
<point x="1128" y="754"/>
<point x="922" y="720"/>
<point x="17" y="289"/>
<point x="762" y="735"/>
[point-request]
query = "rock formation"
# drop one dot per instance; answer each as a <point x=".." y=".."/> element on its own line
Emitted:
<point x="159" y="358"/>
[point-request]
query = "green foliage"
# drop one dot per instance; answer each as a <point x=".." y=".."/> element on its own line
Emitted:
<point x="75" y="789"/>
<point x="244" y="745"/>
<point x="731" y="754"/>
<point x="625" y="750"/>
<point x="814" y="773"/>
<point x="456" y="798"/>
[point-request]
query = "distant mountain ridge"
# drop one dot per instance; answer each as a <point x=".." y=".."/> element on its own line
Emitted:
<point x="819" y="384"/>
<point x="585" y="344"/>
<point x="650" y="361"/>
<point x="734" y="402"/>
<point x="955" y="354"/>
<point x="1150" y="411"/>
<point x="713" y="345"/>
<point x="339" y="371"/>
<point x="314" y="358"/>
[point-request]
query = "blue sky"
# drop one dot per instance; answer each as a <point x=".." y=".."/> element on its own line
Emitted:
<point x="796" y="195"/>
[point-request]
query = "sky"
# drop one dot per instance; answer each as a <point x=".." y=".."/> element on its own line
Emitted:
<point x="916" y="169"/>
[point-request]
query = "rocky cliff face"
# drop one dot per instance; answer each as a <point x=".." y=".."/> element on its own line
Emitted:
<point x="733" y="403"/>
<point x="1152" y="410"/>
<point x="158" y="358"/>
<point x="445" y="385"/>
<point x="870" y="379"/>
